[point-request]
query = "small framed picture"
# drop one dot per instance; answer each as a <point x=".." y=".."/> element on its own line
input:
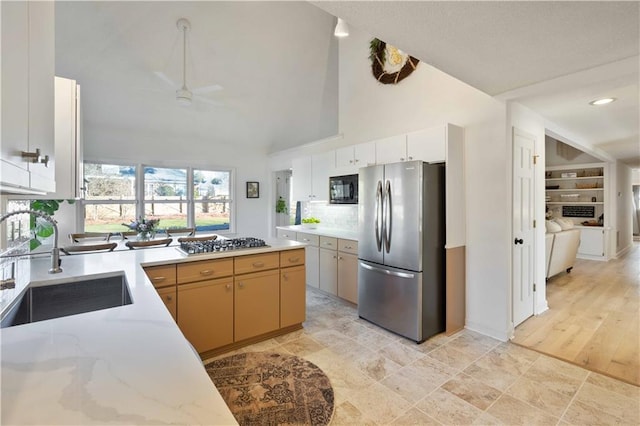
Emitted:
<point x="253" y="190"/>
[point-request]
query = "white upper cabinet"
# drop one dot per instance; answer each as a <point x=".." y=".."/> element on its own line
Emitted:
<point x="427" y="145"/>
<point x="28" y="66"/>
<point x="301" y="179"/>
<point x="391" y="150"/>
<point x="350" y="158"/>
<point x="68" y="140"/>
<point x="311" y="176"/>
<point x="15" y="94"/>
<point x="322" y="165"/>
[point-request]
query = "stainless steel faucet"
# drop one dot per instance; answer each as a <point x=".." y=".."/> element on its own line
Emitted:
<point x="55" y="252"/>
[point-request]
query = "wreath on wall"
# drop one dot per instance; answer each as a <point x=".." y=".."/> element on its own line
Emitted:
<point x="392" y="69"/>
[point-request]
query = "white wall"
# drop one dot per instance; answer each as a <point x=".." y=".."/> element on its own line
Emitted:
<point x="525" y="119"/>
<point x="553" y="159"/>
<point x="623" y="207"/>
<point x="252" y="215"/>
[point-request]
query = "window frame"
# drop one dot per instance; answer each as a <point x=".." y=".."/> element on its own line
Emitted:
<point x="140" y="201"/>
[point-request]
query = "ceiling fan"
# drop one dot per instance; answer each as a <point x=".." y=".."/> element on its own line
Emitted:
<point x="185" y="96"/>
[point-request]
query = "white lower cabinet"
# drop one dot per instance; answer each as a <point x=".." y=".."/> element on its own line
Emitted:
<point x="348" y="277"/>
<point x="592" y="242"/>
<point x="311" y="257"/>
<point x="329" y="271"/>
<point x="312" y="261"/>
<point x="331" y="263"/>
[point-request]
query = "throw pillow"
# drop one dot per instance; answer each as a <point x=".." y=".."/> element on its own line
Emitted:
<point x="564" y="223"/>
<point x="552" y="226"/>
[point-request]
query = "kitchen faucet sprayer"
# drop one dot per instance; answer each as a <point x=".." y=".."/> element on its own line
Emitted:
<point x="55" y="251"/>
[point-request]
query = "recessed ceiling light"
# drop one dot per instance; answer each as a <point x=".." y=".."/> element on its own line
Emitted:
<point x="602" y="101"/>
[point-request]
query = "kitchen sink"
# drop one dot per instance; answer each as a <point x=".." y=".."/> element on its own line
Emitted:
<point x="69" y="298"/>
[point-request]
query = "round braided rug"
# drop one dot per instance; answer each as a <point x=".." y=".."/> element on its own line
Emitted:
<point x="264" y="388"/>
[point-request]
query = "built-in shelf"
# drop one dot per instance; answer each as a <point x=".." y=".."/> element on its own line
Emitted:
<point x="575" y="178"/>
<point x="574" y="189"/>
<point x="586" y="203"/>
<point x="564" y="201"/>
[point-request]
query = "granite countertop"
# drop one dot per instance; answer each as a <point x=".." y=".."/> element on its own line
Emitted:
<point x="124" y="365"/>
<point x="327" y="232"/>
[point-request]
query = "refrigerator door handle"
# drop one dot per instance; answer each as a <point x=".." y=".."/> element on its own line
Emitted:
<point x="379" y="206"/>
<point x="387" y="217"/>
<point x="387" y="272"/>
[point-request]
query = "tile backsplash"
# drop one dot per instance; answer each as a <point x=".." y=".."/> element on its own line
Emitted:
<point x="344" y="216"/>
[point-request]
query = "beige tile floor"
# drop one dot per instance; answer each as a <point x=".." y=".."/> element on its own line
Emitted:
<point x="380" y="378"/>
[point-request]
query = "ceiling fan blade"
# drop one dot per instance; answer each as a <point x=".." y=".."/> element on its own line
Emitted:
<point x="208" y="101"/>
<point x="162" y="76"/>
<point x="207" y="89"/>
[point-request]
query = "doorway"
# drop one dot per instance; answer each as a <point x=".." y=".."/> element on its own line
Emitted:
<point x="283" y="197"/>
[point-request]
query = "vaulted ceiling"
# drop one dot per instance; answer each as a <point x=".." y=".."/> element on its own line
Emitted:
<point x="271" y="60"/>
<point x="276" y="63"/>
<point x="552" y="56"/>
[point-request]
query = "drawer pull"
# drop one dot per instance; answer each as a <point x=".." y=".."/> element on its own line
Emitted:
<point x="169" y="298"/>
<point x="339" y="257"/>
<point x="228" y="286"/>
<point x="328" y="244"/>
<point x="241" y="285"/>
<point x="159" y="278"/>
<point x="285" y="276"/>
<point x="348" y="247"/>
<point x="294" y="259"/>
<point x="306" y="239"/>
<point x="206" y="272"/>
<point x="258" y="264"/>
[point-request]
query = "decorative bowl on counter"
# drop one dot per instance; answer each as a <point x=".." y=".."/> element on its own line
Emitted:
<point x="310" y="222"/>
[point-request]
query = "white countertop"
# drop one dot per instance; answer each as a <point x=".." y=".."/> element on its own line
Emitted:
<point x="124" y="365"/>
<point x="327" y="232"/>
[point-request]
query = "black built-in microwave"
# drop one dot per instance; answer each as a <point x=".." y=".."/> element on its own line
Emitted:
<point x="343" y="189"/>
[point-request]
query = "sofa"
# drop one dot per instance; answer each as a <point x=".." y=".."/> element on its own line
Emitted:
<point x="561" y="248"/>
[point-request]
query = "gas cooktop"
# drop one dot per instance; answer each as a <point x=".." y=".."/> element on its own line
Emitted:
<point x="218" y="245"/>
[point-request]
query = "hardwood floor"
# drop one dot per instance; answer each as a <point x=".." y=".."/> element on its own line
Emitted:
<point x="593" y="319"/>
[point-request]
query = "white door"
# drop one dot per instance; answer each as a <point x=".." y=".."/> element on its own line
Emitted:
<point x="523" y="235"/>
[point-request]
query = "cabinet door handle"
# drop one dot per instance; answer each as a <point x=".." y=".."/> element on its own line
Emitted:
<point x="401" y="159"/>
<point x="169" y="298"/>
<point x="206" y="272"/>
<point x="350" y="161"/>
<point x="241" y="285"/>
<point x="159" y="278"/>
<point x="339" y="257"/>
<point x="294" y="259"/>
<point x="258" y="264"/>
<point x="285" y="276"/>
<point x="228" y="286"/>
<point x="306" y="239"/>
<point x="334" y="256"/>
<point x="410" y="158"/>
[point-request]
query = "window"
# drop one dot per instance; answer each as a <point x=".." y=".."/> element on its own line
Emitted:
<point x="179" y="197"/>
<point x="110" y="198"/>
<point x="165" y="196"/>
<point x="211" y="192"/>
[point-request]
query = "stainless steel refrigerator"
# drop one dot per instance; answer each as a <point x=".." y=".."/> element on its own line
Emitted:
<point x="401" y="265"/>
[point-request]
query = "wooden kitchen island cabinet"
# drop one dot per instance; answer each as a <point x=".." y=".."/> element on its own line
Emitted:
<point x="257" y="304"/>
<point x="206" y="313"/>
<point x="226" y="303"/>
